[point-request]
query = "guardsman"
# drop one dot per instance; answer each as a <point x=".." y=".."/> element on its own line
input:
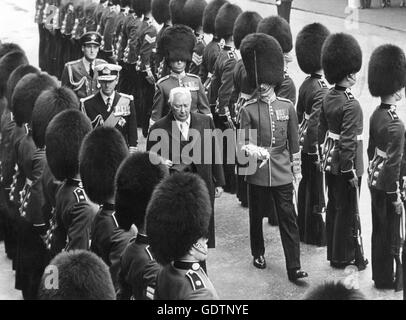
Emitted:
<point x="100" y="9"/>
<point x="39" y="12"/>
<point x="311" y="207"/>
<point x="77" y="30"/>
<point x="222" y="81"/>
<point x="72" y="218"/>
<point x="190" y="13"/>
<point x="102" y="152"/>
<point x="178" y="238"/>
<point x="118" y="28"/>
<point x="67" y="24"/>
<point x="111" y="108"/>
<point x="80" y="75"/>
<point x="161" y="14"/>
<point x="386" y="79"/>
<point x="275" y="148"/>
<point x="177" y="47"/>
<point x="137" y="178"/>
<point x="245" y="24"/>
<point x="107" y="30"/>
<point x="340" y="132"/>
<point x="279" y="28"/>
<point x="212" y="50"/>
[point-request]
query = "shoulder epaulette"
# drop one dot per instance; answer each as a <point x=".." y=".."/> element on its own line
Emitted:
<point x="250" y="102"/>
<point x="283" y="99"/>
<point x="393" y="114"/>
<point x="163" y="79"/>
<point x="195" y="280"/>
<point x="100" y="61"/>
<point x="73" y="62"/>
<point x="129" y="96"/>
<point x="192" y="75"/>
<point x="83" y="100"/>
<point x="349" y="95"/>
<point x="80" y="194"/>
<point x="231" y="55"/>
<point x="149" y="253"/>
<point x="322" y="83"/>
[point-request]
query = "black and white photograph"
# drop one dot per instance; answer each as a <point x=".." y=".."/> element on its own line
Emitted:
<point x="213" y="150"/>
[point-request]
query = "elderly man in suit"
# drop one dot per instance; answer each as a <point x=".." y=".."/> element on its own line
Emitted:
<point x="188" y="131"/>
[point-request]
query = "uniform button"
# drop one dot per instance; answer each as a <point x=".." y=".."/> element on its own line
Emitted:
<point x="195" y="266"/>
<point x="199" y="283"/>
<point x="328" y="168"/>
<point x="329" y="159"/>
<point x="376" y="174"/>
<point x="374" y="183"/>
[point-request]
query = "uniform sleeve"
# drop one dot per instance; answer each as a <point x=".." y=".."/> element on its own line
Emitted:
<point x="322" y="125"/>
<point x="300" y="108"/>
<point x="245" y="126"/>
<point x="81" y="218"/>
<point x="203" y="102"/>
<point x="226" y="86"/>
<point x="234" y="92"/>
<point x="132" y="127"/>
<point x="119" y="241"/>
<point x="149" y="276"/>
<point x="394" y="151"/>
<point x="371" y="141"/>
<point x="158" y="104"/>
<point x="203" y="72"/>
<point x="287" y="90"/>
<point x="313" y="124"/>
<point x="217" y="167"/>
<point x="348" y="136"/>
<point x="148" y="44"/>
<point x="215" y="84"/>
<point x="293" y="135"/>
<point x="133" y="31"/>
<point x="200" y="294"/>
<point x="65" y="77"/>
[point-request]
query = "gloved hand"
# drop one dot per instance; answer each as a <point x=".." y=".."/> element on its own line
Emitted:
<point x="396" y="200"/>
<point x="150" y="76"/>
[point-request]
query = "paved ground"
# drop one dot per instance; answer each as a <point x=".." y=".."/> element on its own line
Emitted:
<point x="230" y="266"/>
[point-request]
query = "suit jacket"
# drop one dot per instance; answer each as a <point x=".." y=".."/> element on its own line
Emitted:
<point x="95" y="108"/>
<point x="76" y="77"/>
<point x="212" y="174"/>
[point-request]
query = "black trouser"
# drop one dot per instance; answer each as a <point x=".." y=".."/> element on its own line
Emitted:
<point x="41" y="47"/>
<point x="386" y="240"/>
<point x="284" y="10"/>
<point x="283" y="196"/>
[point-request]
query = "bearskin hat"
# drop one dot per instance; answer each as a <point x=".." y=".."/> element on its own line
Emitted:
<point x="26" y="93"/>
<point x="100" y="155"/>
<point x="193" y="13"/>
<point x="125" y="3"/>
<point x="160" y="11"/>
<point x="177" y="43"/>
<point x="136" y="179"/>
<point x="141" y="7"/>
<point x="341" y="55"/>
<point x="8" y="63"/>
<point x="8" y="47"/>
<point x="267" y="53"/>
<point x="308" y="46"/>
<point x="331" y="290"/>
<point x="386" y="70"/>
<point x="64" y="136"/>
<point x="225" y="19"/>
<point x="209" y="15"/>
<point x="48" y="105"/>
<point x="246" y="23"/>
<point x="15" y="77"/>
<point x="82" y="275"/>
<point x="177" y="216"/>
<point x="278" y="28"/>
<point x="176" y="11"/>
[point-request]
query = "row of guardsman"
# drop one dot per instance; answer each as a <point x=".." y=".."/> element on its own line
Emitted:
<point x="239" y="79"/>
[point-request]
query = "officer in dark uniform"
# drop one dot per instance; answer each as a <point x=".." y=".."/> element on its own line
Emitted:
<point x="386" y="79"/>
<point x="222" y="81"/>
<point x="275" y="149"/>
<point x="245" y="24"/>
<point x="178" y="42"/>
<point x="310" y="204"/>
<point x="80" y="75"/>
<point x="340" y="130"/>
<point x="136" y="179"/>
<point x="111" y="108"/>
<point x="161" y="14"/>
<point x="72" y="218"/>
<point x="279" y="28"/>
<point x="213" y="48"/>
<point x="102" y="152"/>
<point x="178" y="238"/>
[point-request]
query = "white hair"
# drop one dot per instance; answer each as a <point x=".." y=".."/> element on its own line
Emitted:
<point x="179" y="90"/>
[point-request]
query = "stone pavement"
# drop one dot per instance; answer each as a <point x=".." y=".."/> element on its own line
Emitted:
<point x="393" y="18"/>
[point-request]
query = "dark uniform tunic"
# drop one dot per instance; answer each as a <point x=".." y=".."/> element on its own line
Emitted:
<point x="310" y="195"/>
<point x="95" y="108"/>
<point x="107" y="30"/>
<point x="385" y="152"/>
<point x="197" y="57"/>
<point x="161" y="107"/>
<point x="68" y="19"/>
<point x="184" y="281"/>
<point x="277" y="129"/>
<point x="210" y="54"/>
<point x="76" y="77"/>
<point x="138" y="270"/>
<point x="287" y="89"/>
<point x="161" y="68"/>
<point x="341" y="122"/>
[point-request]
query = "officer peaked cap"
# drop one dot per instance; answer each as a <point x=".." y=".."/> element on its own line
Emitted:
<point x="91" y="37"/>
<point x="107" y="71"/>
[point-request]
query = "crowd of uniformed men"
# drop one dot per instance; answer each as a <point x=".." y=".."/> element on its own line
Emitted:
<point x="72" y="176"/>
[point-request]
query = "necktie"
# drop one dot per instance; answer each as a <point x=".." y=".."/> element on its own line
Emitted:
<point x="91" y="72"/>
<point x="183" y="130"/>
<point x="108" y="104"/>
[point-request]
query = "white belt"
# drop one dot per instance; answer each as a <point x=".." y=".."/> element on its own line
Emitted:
<point x="307" y="116"/>
<point x="336" y="136"/>
<point x="245" y="96"/>
<point x="381" y="153"/>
